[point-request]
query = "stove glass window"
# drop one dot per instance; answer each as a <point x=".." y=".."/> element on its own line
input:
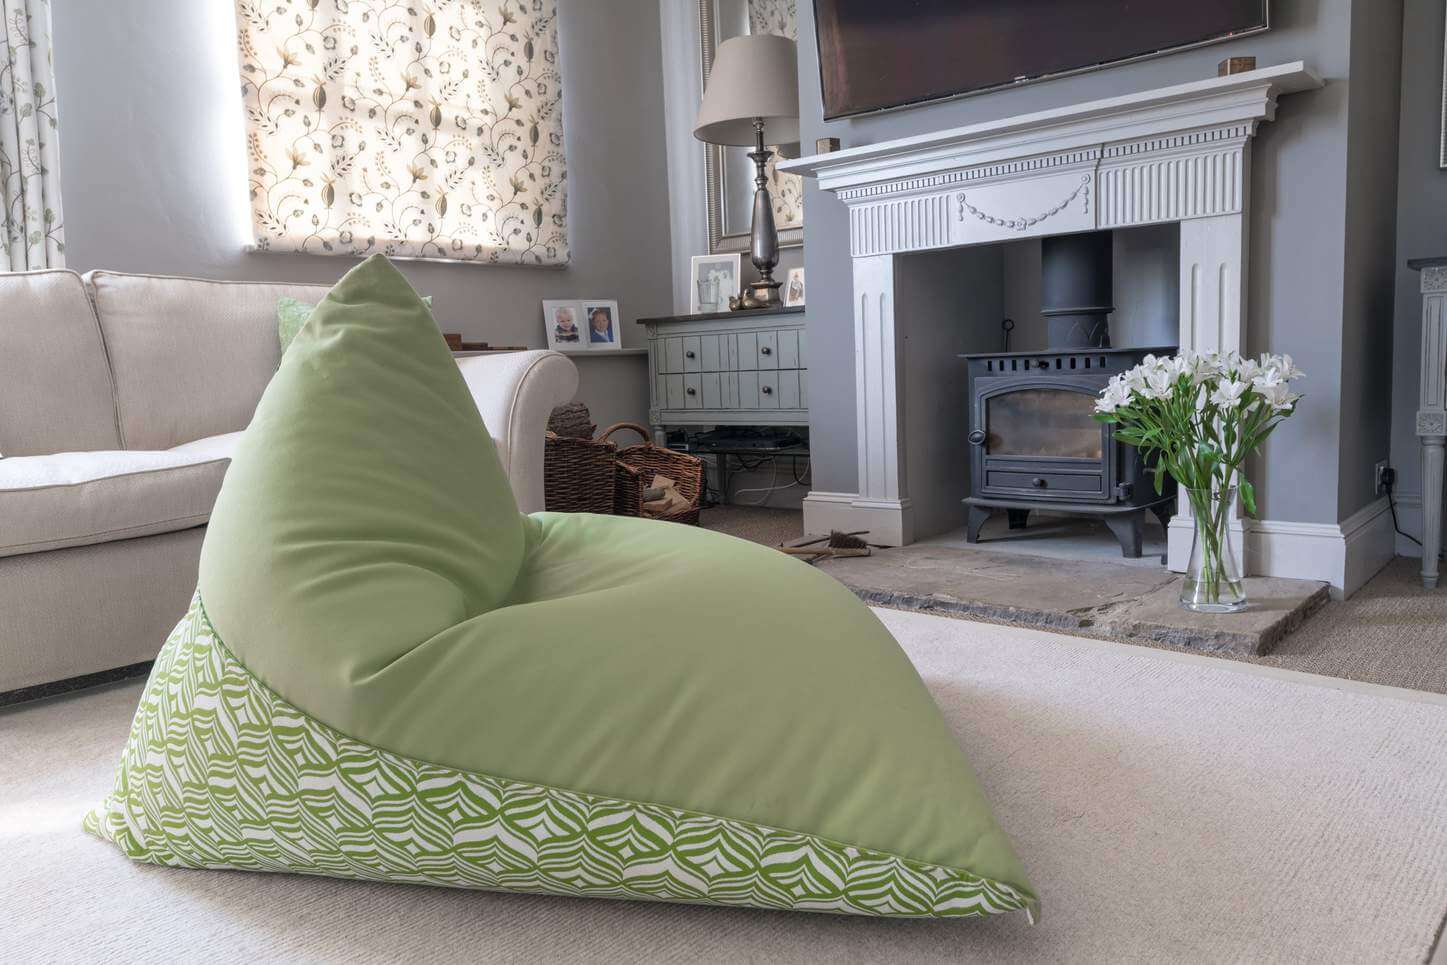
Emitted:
<point x="1042" y="422"/>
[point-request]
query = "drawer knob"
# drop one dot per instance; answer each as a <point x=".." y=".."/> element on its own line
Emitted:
<point x="767" y="389"/>
<point x="766" y="351"/>
<point x="1038" y="483"/>
<point x="689" y="354"/>
<point x="691" y="390"/>
<point x="977" y="437"/>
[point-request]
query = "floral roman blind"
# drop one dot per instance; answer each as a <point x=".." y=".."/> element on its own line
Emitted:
<point x="419" y="129"/>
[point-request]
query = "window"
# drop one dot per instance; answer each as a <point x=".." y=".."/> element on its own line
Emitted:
<point x="417" y="131"/>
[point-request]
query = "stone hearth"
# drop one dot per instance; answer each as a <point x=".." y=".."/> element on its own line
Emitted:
<point x="1109" y="600"/>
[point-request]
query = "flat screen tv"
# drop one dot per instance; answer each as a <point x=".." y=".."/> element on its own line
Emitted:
<point x="877" y="54"/>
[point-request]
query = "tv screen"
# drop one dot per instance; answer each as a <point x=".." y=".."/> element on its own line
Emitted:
<point x="875" y="54"/>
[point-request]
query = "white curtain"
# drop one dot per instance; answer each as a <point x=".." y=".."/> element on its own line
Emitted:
<point x="430" y="129"/>
<point x="32" y="235"/>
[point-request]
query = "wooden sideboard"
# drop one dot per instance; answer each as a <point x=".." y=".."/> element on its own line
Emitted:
<point x="727" y="368"/>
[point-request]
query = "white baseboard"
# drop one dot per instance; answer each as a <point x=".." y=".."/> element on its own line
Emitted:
<point x="887" y="521"/>
<point x="1344" y="554"/>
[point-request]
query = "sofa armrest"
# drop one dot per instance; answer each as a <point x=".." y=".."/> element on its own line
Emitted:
<point x="515" y="393"/>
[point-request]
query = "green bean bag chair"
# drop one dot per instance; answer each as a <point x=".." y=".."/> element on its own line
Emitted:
<point x="388" y="673"/>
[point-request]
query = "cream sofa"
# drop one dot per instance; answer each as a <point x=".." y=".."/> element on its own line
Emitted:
<point x="121" y="399"/>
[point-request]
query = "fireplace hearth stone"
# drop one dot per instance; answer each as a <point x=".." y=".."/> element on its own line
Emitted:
<point x="1131" y="603"/>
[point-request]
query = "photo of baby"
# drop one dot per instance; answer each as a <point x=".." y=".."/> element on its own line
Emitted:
<point x="565" y="328"/>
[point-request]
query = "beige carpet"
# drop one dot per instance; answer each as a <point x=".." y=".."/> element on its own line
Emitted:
<point x="1391" y="632"/>
<point x="1168" y="807"/>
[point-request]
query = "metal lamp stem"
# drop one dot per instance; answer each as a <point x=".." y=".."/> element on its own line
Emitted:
<point x="763" y="236"/>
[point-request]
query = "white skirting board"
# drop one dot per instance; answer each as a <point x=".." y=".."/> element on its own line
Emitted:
<point x="887" y="521"/>
<point x="1344" y="554"/>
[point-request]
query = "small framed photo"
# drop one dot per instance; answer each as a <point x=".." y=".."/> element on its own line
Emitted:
<point x="600" y="325"/>
<point x="563" y="322"/>
<point x="715" y="279"/>
<point x="794" y="288"/>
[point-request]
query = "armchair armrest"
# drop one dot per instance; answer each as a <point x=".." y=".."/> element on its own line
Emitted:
<point x="515" y="393"/>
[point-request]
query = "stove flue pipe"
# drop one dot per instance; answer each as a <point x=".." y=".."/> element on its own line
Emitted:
<point x="1076" y="291"/>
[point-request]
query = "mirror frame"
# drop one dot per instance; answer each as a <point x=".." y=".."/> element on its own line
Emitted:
<point x="713" y="163"/>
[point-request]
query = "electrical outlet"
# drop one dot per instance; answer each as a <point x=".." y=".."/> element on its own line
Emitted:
<point x="1381" y="477"/>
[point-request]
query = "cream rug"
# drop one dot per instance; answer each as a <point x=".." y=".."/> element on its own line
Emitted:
<point x="1169" y="808"/>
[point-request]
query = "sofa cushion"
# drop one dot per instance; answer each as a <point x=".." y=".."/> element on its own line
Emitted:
<point x="388" y="673"/>
<point x="190" y="357"/>
<point x="80" y="498"/>
<point x="55" y="386"/>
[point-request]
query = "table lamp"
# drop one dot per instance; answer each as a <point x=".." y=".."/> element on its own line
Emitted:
<point x="752" y="99"/>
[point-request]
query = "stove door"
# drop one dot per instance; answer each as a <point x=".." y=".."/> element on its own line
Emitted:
<point x="1035" y="437"/>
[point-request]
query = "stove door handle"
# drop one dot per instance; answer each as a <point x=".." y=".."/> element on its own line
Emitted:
<point x="977" y="438"/>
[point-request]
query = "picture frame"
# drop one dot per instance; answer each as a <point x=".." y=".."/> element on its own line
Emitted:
<point x="794" y="288"/>
<point x="713" y="279"/>
<point x="563" y="325"/>
<point x="601" y="325"/>
<point x="574" y="325"/>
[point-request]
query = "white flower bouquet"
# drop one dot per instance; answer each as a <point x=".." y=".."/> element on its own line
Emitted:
<point x="1198" y="417"/>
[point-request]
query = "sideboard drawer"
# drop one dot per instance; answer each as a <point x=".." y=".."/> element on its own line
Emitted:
<point x="768" y="355"/>
<point x="673" y="391"/>
<point x="712" y="353"/>
<point x="712" y="390"/>
<point x="768" y="390"/>
<point x="789" y="353"/>
<point x="671" y="358"/>
<point x="789" y="389"/>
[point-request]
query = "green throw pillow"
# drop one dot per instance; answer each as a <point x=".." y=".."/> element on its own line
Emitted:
<point x="388" y="673"/>
<point x="292" y="314"/>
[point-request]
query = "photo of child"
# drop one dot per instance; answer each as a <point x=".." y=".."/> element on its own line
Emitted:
<point x="600" y="325"/>
<point x="565" y="328"/>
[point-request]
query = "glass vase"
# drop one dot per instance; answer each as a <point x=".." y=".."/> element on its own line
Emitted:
<point x="1213" y="578"/>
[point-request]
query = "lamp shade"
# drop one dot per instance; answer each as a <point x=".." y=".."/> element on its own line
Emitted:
<point x="754" y="76"/>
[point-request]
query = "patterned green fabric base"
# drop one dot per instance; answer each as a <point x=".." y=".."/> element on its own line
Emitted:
<point x="219" y="772"/>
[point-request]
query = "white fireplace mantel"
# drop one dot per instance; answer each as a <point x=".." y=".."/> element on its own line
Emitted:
<point x="1174" y="154"/>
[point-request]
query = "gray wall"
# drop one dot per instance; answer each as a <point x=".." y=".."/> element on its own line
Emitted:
<point x="1421" y="209"/>
<point x="1371" y="244"/>
<point x="1300" y="265"/>
<point x="153" y="184"/>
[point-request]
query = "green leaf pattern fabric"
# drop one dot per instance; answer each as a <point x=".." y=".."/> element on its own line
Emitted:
<point x="219" y="772"/>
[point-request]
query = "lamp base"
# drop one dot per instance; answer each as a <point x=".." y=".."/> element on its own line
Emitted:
<point x="759" y="294"/>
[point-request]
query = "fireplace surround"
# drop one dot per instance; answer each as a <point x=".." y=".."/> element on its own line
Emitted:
<point x="1174" y="154"/>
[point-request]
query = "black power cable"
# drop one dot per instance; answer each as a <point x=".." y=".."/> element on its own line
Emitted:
<point x="1389" y="479"/>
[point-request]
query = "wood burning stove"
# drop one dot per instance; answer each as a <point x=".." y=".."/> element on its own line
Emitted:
<point x="1034" y="442"/>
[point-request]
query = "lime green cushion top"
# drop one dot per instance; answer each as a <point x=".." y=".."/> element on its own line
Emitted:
<point x="292" y="313"/>
<point x="366" y="561"/>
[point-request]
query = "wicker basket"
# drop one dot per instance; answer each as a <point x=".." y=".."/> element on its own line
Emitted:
<point x="638" y="464"/>
<point x="579" y="475"/>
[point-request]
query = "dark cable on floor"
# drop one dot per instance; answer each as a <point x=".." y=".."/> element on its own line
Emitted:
<point x="1389" y="478"/>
